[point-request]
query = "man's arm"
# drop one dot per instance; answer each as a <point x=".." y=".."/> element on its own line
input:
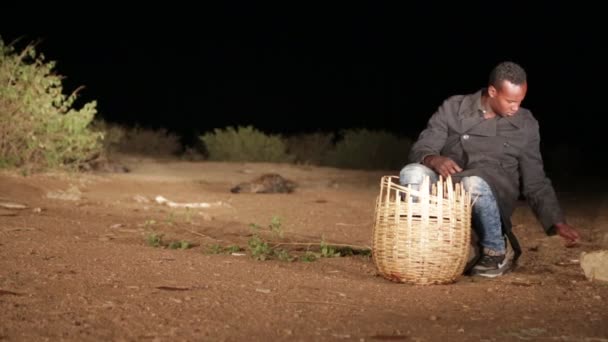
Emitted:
<point x="433" y="137"/>
<point x="539" y="191"/>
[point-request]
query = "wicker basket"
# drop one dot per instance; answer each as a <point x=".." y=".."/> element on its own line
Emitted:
<point x="421" y="237"/>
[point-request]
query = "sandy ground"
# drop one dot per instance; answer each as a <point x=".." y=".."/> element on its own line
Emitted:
<point x="76" y="264"/>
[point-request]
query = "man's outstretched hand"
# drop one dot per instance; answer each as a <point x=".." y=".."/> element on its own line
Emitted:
<point x="569" y="233"/>
<point x="442" y="165"/>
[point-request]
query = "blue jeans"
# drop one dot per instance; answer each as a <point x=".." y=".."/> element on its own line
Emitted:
<point x="486" y="216"/>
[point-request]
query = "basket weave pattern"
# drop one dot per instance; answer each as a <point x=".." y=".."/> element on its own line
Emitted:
<point x="421" y="237"/>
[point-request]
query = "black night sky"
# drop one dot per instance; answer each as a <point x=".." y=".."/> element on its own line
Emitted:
<point x="302" y="67"/>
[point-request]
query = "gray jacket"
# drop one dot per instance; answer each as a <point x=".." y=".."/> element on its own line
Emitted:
<point x="504" y="151"/>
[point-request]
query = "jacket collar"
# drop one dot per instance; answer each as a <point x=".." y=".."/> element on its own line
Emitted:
<point x="471" y="112"/>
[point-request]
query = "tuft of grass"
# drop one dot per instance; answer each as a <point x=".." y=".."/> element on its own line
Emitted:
<point x="179" y="245"/>
<point x="262" y="249"/>
<point x="219" y="249"/>
<point x="328" y="251"/>
<point x="154" y="239"/>
<point x="233" y="249"/>
<point x="308" y="257"/>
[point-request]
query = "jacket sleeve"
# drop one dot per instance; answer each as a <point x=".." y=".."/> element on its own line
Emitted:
<point x="537" y="188"/>
<point x="433" y="137"/>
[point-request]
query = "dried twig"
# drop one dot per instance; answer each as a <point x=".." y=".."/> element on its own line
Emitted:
<point x="277" y="244"/>
<point x="197" y="233"/>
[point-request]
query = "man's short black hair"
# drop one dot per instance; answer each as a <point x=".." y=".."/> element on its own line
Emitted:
<point x="507" y="71"/>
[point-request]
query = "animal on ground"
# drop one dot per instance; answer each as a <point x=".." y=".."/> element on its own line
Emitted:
<point x="266" y="184"/>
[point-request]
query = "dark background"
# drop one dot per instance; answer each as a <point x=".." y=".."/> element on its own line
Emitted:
<point x="303" y="67"/>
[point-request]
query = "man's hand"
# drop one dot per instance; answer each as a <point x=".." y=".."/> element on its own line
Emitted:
<point x="442" y="165"/>
<point x="568" y="232"/>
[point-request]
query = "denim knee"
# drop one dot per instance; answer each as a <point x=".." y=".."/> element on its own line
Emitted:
<point x="414" y="173"/>
<point x="486" y="215"/>
<point x="477" y="186"/>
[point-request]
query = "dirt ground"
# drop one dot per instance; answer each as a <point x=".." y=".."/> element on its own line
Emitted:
<point x="76" y="265"/>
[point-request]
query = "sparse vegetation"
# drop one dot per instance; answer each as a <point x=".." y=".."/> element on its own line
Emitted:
<point x="310" y="149"/>
<point x="328" y="251"/>
<point x="365" y="149"/>
<point x="308" y="257"/>
<point x="356" y="148"/>
<point x="260" y="249"/>
<point x="245" y="144"/>
<point x="154" y="239"/>
<point x="40" y="127"/>
<point x="219" y="249"/>
<point x="182" y="244"/>
<point x="263" y="249"/>
<point x="138" y="140"/>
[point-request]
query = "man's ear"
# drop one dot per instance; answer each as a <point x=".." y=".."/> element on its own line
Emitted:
<point x="492" y="91"/>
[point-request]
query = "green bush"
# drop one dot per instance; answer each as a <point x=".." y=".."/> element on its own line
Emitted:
<point x="112" y="134"/>
<point x="245" y="144"/>
<point x="40" y="129"/>
<point x="366" y="149"/>
<point x="310" y="148"/>
<point x="138" y="140"/>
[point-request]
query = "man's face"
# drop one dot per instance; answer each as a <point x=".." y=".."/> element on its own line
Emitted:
<point x="506" y="99"/>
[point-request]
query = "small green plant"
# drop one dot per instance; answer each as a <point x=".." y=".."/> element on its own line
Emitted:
<point x="283" y="255"/>
<point x="308" y="257"/>
<point x="219" y="249"/>
<point x="275" y="227"/>
<point x="215" y="249"/>
<point x="183" y="244"/>
<point x="154" y="239"/>
<point x="328" y="251"/>
<point x="233" y="249"/>
<point x="245" y="144"/>
<point x="260" y="250"/>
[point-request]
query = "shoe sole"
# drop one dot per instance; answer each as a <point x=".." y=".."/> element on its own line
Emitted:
<point x="490" y="274"/>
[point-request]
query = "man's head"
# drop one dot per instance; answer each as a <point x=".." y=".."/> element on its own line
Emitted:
<point x="507" y="88"/>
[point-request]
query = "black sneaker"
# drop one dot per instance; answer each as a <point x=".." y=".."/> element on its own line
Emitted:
<point x="491" y="265"/>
